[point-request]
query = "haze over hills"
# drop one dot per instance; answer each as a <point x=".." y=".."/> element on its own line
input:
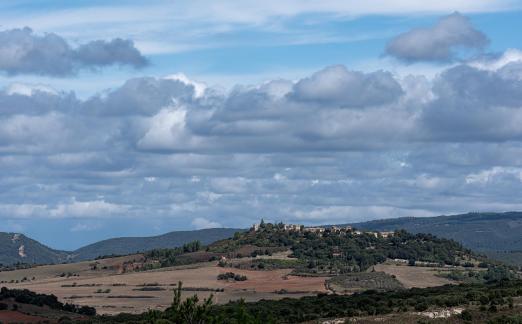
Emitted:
<point x="18" y="248"/>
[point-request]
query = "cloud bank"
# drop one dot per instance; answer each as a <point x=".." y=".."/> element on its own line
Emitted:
<point x="337" y="146"/>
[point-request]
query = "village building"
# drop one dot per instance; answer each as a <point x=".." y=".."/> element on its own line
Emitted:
<point x="292" y="227"/>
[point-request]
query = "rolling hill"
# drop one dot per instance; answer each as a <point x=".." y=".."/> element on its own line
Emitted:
<point x="477" y="231"/>
<point x="18" y="248"/>
<point x="126" y="245"/>
<point x="497" y="234"/>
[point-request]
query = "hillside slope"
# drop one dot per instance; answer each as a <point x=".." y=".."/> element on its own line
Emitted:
<point x="477" y="231"/>
<point x="126" y="245"/>
<point x="16" y="248"/>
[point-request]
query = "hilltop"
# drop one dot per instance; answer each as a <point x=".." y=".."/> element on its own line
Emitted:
<point x="318" y="250"/>
<point x="18" y="248"/>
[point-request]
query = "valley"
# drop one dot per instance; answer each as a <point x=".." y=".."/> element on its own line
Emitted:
<point x="268" y="262"/>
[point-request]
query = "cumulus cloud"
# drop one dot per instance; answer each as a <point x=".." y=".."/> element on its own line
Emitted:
<point x="339" y="87"/>
<point x="71" y="209"/>
<point x="24" y="52"/>
<point x="439" y="43"/>
<point x="334" y="147"/>
<point x="474" y="104"/>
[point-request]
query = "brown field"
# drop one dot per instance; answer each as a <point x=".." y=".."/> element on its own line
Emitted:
<point x="84" y="288"/>
<point x="17" y="317"/>
<point x="410" y="277"/>
<point x="83" y="269"/>
<point x="111" y="290"/>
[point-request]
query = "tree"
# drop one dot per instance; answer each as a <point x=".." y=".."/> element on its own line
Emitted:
<point x="189" y="311"/>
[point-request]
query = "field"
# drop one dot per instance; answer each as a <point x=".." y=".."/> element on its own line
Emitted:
<point x="410" y="277"/>
<point x="110" y="291"/>
<point x="112" y="287"/>
<point x="33" y="314"/>
<point x="354" y="282"/>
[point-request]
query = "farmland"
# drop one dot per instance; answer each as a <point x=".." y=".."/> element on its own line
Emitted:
<point x="111" y="291"/>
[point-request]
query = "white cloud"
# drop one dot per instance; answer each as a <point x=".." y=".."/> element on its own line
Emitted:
<point x="25" y="89"/>
<point x="169" y="27"/>
<point x="85" y="227"/>
<point x="87" y="209"/>
<point x="511" y="55"/>
<point x="199" y="87"/>
<point x="202" y="223"/>
<point x="351" y="214"/>
<point x="490" y="175"/>
<point x="258" y="149"/>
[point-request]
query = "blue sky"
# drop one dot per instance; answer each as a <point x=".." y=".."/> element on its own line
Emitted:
<point x="133" y="119"/>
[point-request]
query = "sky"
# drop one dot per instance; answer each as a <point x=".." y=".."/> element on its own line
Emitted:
<point x="133" y="119"/>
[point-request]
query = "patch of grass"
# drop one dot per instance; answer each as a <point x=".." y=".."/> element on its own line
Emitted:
<point x="364" y="280"/>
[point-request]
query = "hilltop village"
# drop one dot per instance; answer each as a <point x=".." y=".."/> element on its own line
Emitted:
<point x="322" y="229"/>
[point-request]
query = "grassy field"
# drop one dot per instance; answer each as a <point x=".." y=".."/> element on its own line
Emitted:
<point x="410" y="277"/>
<point x="354" y="282"/>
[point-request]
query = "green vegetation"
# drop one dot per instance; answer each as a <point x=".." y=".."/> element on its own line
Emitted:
<point x="267" y="264"/>
<point x="491" y="297"/>
<point x="484" y="232"/>
<point x="362" y="281"/>
<point x="12" y="244"/>
<point x="493" y="273"/>
<point x="337" y="252"/>
<point x="161" y="258"/>
<point x="231" y="276"/>
<point x="515" y="319"/>
<point x="28" y="297"/>
<point x="511" y="257"/>
<point x="130" y="245"/>
<point x="328" y="253"/>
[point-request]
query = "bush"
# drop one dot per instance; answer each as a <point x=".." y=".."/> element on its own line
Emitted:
<point x="421" y="307"/>
<point x="466" y="315"/>
<point x="231" y="275"/>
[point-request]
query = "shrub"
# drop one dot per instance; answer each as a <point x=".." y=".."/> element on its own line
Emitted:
<point x="466" y="315"/>
<point x="231" y="275"/>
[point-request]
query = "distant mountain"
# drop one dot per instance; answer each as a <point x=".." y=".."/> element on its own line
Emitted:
<point x="16" y="248"/>
<point x="127" y="245"/>
<point x="486" y="232"/>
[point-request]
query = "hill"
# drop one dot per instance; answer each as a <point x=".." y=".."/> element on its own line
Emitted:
<point x="477" y="231"/>
<point x="18" y="248"/>
<point x="329" y="251"/>
<point x="127" y="245"/>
